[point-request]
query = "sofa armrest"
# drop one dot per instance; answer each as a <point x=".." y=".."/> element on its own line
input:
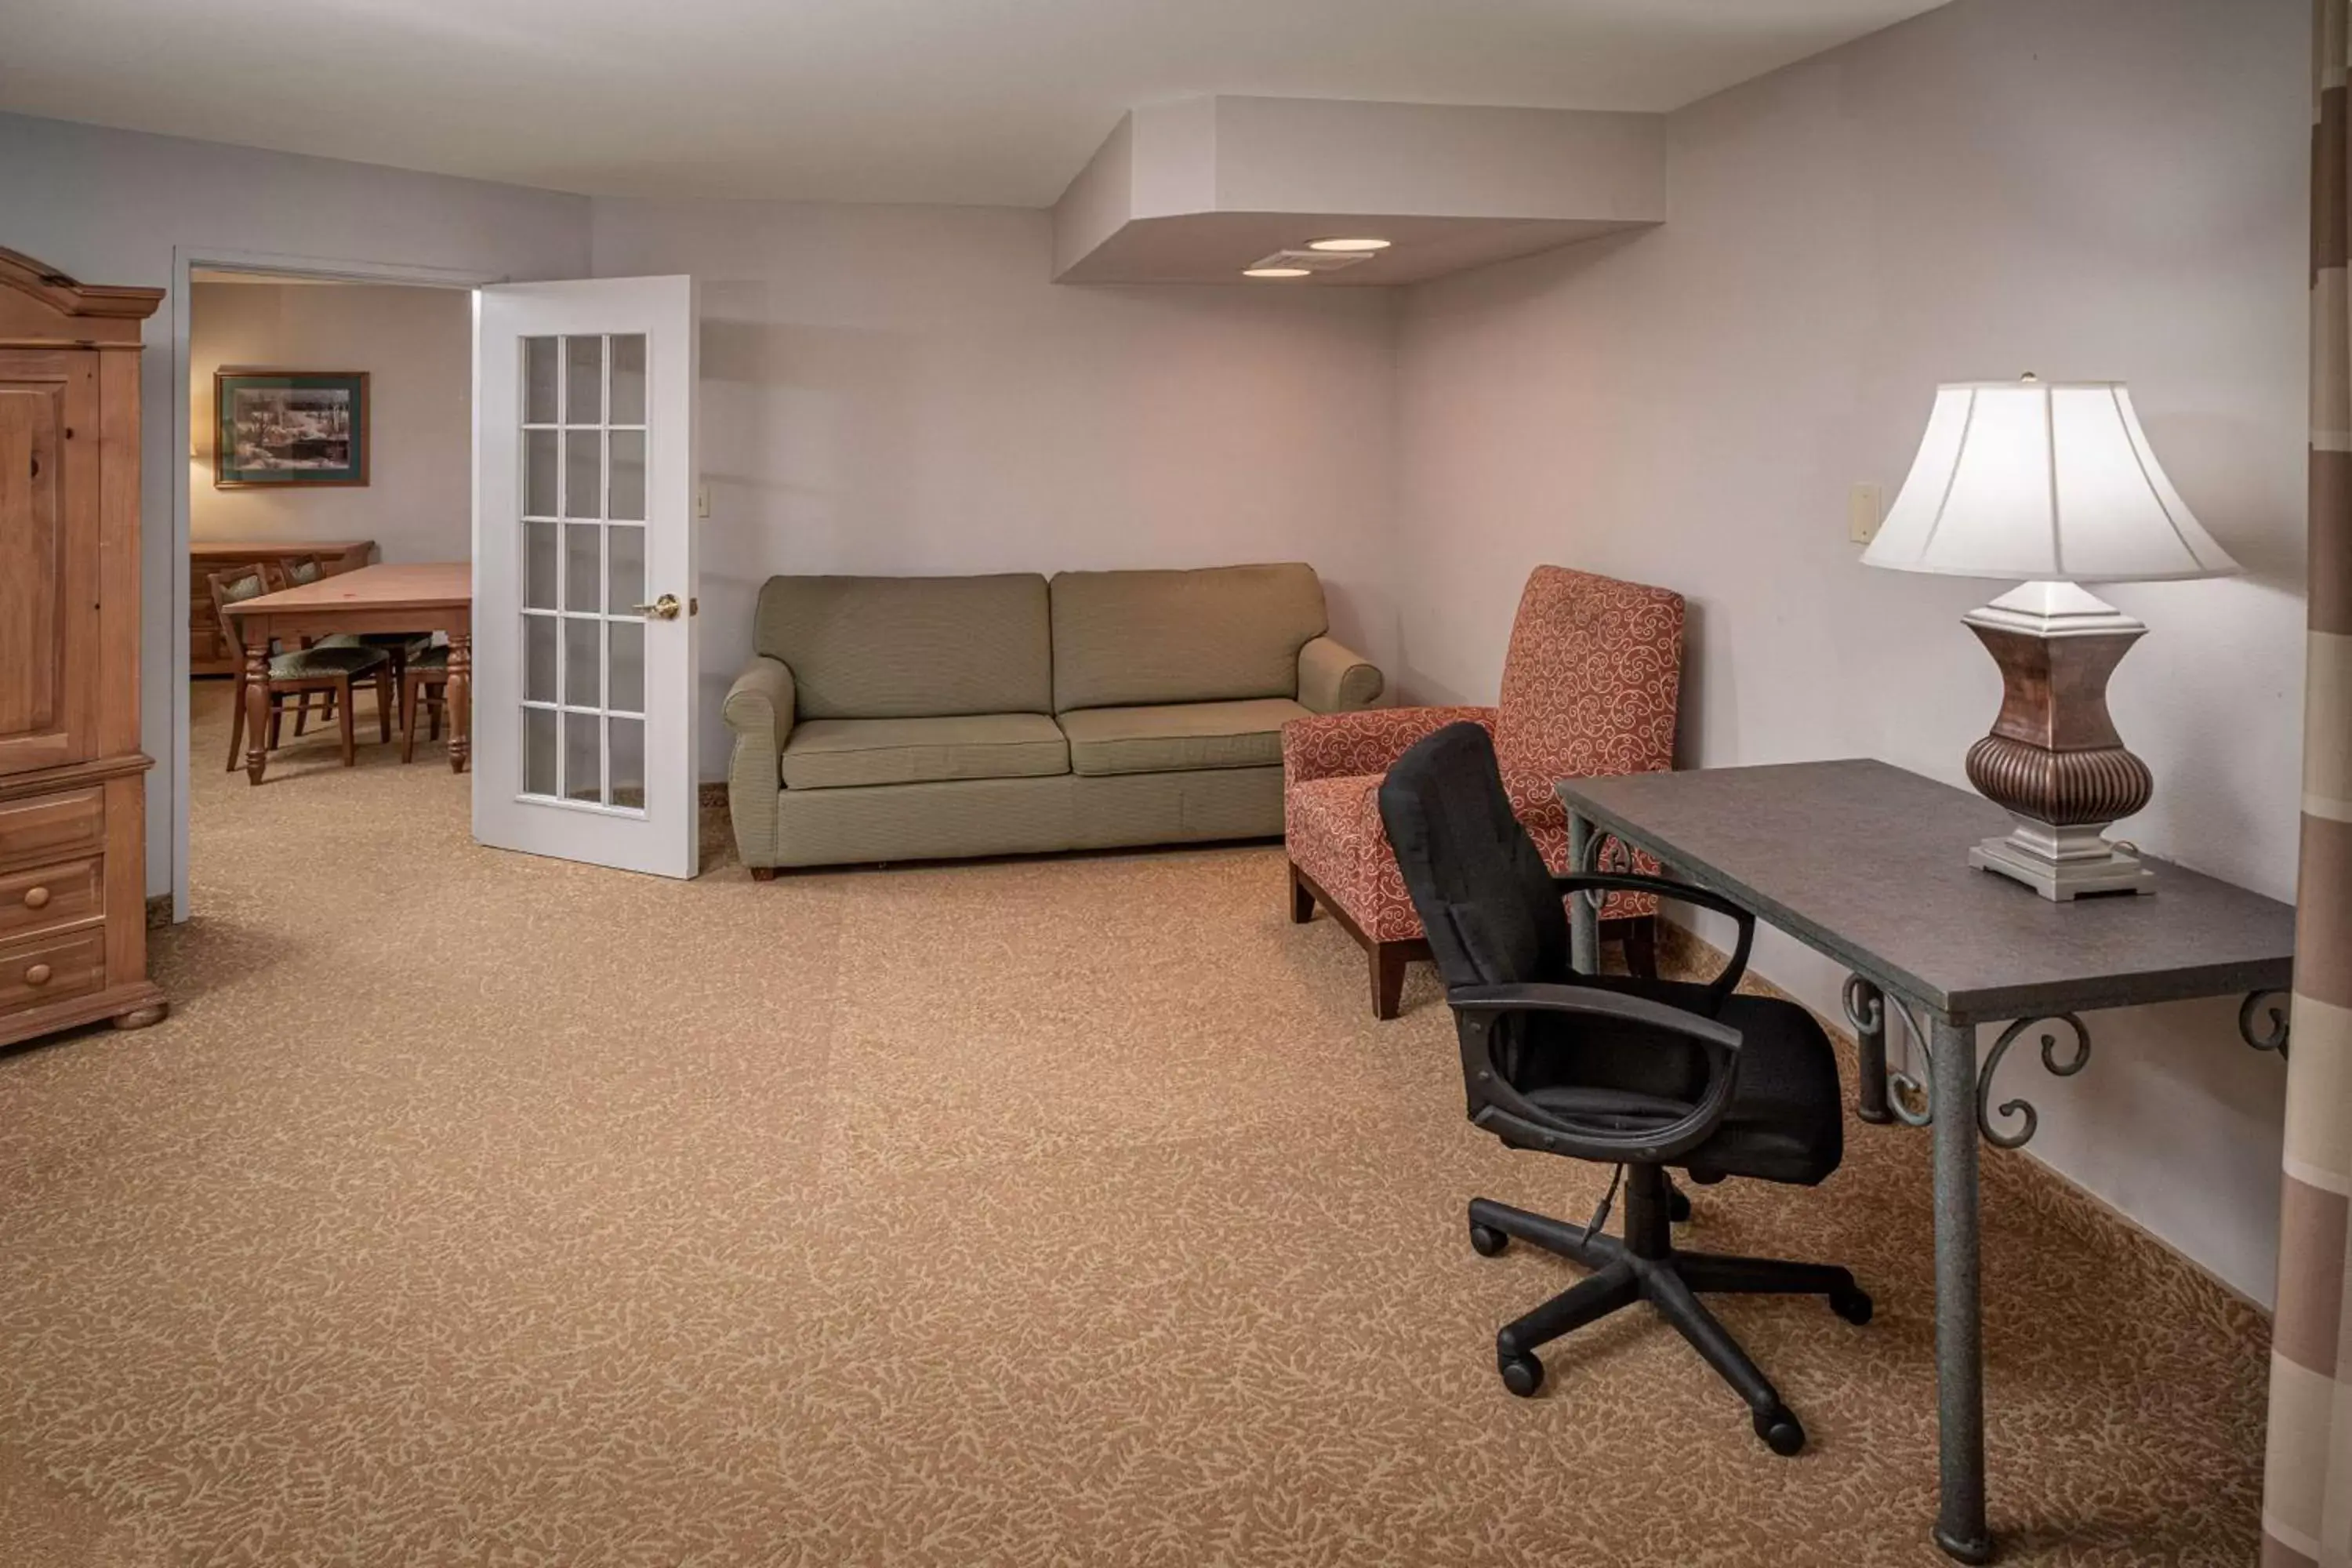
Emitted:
<point x="759" y="708"/>
<point x="1335" y="678"/>
<point x="1350" y="745"/>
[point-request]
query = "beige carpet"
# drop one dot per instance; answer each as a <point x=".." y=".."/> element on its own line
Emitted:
<point x="476" y="1209"/>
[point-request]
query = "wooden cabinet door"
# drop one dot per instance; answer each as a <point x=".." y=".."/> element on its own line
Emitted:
<point x="48" y="557"/>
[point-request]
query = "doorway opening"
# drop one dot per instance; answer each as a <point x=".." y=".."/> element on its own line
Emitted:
<point x="328" y="430"/>
<point x="564" y="519"/>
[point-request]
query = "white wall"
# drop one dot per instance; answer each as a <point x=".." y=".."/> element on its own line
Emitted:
<point x="416" y="346"/>
<point x="897" y="389"/>
<point x="2103" y="188"/>
<point x="112" y="207"/>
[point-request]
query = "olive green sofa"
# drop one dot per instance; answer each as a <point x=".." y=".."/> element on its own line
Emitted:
<point x="934" y="718"/>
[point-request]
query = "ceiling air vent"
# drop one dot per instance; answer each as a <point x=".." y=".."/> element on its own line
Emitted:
<point x="1283" y="261"/>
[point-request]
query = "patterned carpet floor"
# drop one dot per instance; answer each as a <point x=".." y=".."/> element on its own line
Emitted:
<point x="472" y="1209"/>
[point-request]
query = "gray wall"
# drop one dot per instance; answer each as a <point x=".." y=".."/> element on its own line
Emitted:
<point x="901" y="389"/>
<point x="417" y="347"/>
<point x="113" y="206"/>
<point x="2097" y="189"/>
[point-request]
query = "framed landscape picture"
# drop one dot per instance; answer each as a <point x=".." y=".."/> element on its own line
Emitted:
<point x="290" y="427"/>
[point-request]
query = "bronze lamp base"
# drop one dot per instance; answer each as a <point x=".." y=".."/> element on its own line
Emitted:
<point x="2053" y="759"/>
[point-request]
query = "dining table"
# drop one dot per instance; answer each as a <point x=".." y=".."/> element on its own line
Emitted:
<point x="418" y="597"/>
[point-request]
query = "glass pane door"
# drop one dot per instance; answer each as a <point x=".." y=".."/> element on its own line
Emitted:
<point x="585" y="698"/>
<point x="584" y="440"/>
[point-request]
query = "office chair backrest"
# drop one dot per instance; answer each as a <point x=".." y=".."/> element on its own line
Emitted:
<point x="1484" y="894"/>
<point x="1493" y="917"/>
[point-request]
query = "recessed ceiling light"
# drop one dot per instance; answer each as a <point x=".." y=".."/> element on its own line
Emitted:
<point x="1365" y="242"/>
<point x="1273" y="272"/>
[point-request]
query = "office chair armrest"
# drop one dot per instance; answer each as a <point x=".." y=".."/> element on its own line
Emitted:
<point x="1723" y="985"/>
<point x="1508" y="1110"/>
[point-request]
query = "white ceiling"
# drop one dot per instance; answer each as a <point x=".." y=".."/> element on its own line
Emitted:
<point x="990" y="101"/>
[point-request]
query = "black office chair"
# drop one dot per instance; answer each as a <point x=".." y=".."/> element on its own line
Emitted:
<point x="1640" y="1074"/>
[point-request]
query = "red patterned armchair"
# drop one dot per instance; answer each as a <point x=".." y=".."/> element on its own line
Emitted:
<point x="1590" y="687"/>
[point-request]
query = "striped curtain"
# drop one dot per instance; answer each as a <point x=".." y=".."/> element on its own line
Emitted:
<point x="2307" y="1489"/>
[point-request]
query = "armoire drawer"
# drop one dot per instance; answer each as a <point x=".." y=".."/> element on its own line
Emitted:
<point x="52" y="827"/>
<point x="45" y="897"/>
<point x="45" y="969"/>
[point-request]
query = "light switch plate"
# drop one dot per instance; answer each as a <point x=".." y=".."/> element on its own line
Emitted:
<point x="1862" y="513"/>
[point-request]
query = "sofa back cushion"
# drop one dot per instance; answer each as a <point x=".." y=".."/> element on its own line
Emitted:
<point x="910" y="648"/>
<point x="1221" y="634"/>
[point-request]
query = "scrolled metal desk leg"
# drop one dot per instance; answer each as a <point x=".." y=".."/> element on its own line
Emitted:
<point x="1865" y="1009"/>
<point x="1584" y="919"/>
<point x="1961" y="1527"/>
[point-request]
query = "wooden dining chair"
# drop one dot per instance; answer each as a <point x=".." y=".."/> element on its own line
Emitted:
<point x="328" y="666"/>
<point x="291" y="571"/>
<point x="398" y="644"/>
<point x="424" y="679"/>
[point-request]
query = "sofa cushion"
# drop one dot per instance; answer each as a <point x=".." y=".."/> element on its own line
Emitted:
<point x="841" y="753"/>
<point x="910" y="648"/>
<point x="1125" y="638"/>
<point x="1175" y="737"/>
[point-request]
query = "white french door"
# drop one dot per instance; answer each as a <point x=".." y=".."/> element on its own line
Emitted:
<point x="584" y="700"/>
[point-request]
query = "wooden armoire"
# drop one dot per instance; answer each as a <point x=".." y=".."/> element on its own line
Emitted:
<point x="73" y="834"/>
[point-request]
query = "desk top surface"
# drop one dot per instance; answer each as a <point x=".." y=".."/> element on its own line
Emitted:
<point x="1869" y="863"/>
<point x="420" y="585"/>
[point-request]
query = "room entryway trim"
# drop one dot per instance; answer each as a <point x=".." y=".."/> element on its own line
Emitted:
<point x="186" y="262"/>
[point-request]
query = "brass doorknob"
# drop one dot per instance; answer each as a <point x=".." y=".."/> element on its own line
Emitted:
<point x="36" y="898"/>
<point x="38" y="975"/>
<point x="664" y="608"/>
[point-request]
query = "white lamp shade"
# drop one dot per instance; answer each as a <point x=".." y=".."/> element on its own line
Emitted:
<point x="2040" y="479"/>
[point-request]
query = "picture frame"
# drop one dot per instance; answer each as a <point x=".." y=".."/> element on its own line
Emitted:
<point x="287" y="429"/>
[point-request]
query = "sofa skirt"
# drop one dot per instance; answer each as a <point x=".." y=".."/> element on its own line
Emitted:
<point x="955" y="819"/>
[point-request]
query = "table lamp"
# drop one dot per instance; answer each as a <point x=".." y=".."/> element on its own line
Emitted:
<point x="2052" y="483"/>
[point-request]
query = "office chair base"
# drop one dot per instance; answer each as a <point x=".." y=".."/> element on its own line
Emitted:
<point x="1643" y="1266"/>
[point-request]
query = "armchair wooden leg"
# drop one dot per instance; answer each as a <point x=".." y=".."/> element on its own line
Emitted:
<point x="277" y="717"/>
<point x="1388" y="961"/>
<point x="301" y="713"/>
<point x="351" y="746"/>
<point x="408" y="720"/>
<point x="763" y="873"/>
<point x="1302" y="899"/>
<point x="383" y="690"/>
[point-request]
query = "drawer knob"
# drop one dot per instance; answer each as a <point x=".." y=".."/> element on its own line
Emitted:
<point x="38" y="975"/>
<point x="36" y="898"/>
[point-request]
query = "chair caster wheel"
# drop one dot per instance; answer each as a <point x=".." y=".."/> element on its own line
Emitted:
<point x="1523" y="1375"/>
<point x="1779" y="1428"/>
<point x="1487" y="1242"/>
<point x="1678" y="1206"/>
<point x="1852" y="1305"/>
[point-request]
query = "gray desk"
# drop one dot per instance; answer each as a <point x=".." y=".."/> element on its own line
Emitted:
<point x="1867" y="864"/>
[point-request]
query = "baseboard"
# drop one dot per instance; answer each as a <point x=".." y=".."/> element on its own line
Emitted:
<point x="1682" y="951"/>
